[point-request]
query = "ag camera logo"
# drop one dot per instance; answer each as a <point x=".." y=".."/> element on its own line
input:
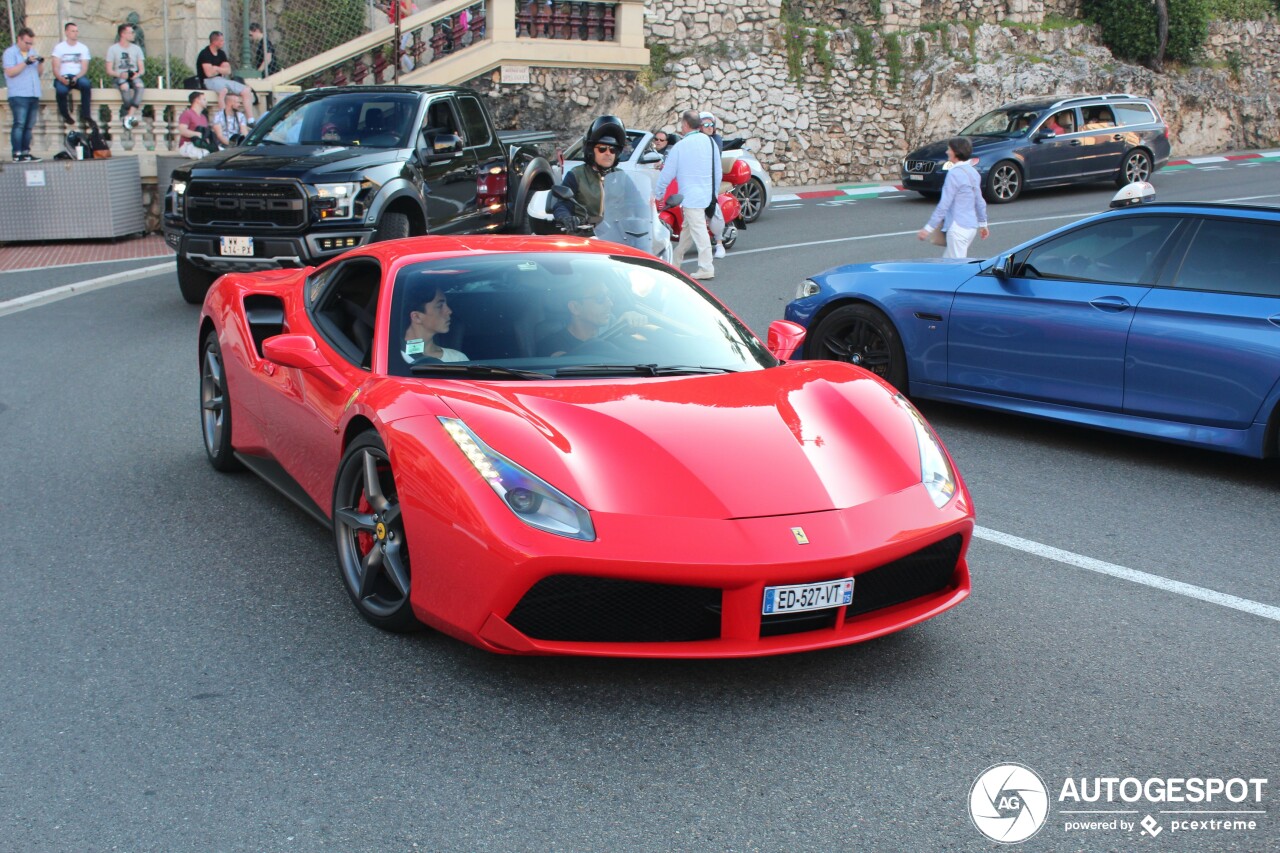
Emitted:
<point x="1008" y="803"/>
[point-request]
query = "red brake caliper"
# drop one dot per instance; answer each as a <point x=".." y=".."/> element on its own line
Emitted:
<point x="364" y="539"/>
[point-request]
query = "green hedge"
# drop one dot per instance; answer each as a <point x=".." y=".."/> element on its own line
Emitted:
<point x="1129" y="28"/>
<point x="178" y="71"/>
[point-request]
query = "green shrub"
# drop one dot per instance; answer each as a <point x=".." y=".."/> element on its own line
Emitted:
<point x="893" y="57"/>
<point x="1241" y="10"/>
<point x="153" y="70"/>
<point x="1129" y="28"/>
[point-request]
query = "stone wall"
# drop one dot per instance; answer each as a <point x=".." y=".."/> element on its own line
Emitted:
<point x="849" y="120"/>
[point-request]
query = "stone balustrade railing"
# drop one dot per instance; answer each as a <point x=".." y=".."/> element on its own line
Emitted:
<point x="153" y="136"/>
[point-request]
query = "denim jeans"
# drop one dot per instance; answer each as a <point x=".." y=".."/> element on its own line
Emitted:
<point x="24" y="112"/>
<point x="61" y="89"/>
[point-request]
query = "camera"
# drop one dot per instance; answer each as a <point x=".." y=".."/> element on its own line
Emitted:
<point x="130" y="73"/>
<point x="33" y="58"/>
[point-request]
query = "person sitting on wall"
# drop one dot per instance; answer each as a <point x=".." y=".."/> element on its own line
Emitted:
<point x="70" y="67"/>
<point x="193" y="129"/>
<point x="126" y="64"/>
<point x="214" y="70"/>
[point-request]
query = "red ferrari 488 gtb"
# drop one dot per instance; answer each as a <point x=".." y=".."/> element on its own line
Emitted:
<point x="563" y="446"/>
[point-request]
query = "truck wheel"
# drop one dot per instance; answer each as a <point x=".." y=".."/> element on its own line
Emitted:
<point x="394" y="226"/>
<point x="194" y="282"/>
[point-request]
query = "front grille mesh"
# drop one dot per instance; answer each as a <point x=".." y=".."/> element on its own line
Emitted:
<point x="573" y="608"/>
<point x="926" y="572"/>
<point x="920" y="167"/>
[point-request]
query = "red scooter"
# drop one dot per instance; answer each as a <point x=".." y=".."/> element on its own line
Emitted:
<point x="673" y="215"/>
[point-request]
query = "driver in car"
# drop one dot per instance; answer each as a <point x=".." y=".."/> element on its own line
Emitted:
<point x="590" y="314"/>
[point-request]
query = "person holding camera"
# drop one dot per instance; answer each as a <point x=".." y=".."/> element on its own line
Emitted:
<point x="229" y="123"/>
<point x="70" y="65"/>
<point x="125" y="63"/>
<point x="22" y="69"/>
<point x="196" y="140"/>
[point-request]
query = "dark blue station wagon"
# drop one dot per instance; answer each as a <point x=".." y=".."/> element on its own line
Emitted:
<point x="1049" y="142"/>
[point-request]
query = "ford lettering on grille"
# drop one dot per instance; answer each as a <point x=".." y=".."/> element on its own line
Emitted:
<point x="280" y="205"/>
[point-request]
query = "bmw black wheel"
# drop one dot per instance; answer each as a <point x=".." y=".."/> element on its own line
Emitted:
<point x="215" y="407"/>
<point x="862" y="335"/>
<point x="373" y="556"/>
<point x="1004" y="183"/>
<point x="751" y="198"/>
<point x="1137" y="167"/>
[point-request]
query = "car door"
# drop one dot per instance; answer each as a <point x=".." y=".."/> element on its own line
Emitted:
<point x="1055" y="330"/>
<point x="1053" y="160"/>
<point x="1206" y="348"/>
<point x="449" y="184"/>
<point x="1101" y="143"/>
<point x="303" y="407"/>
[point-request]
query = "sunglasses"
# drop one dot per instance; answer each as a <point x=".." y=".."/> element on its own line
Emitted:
<point x="660" y="138"/>
<point x="606" y="149"/>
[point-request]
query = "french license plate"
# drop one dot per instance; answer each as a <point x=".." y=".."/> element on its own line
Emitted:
<point x="807" y="596"/>
<point x="915" y="177"/>
<point x="238" y="246"/>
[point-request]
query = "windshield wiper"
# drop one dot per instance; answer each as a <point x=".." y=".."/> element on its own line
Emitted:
<point x="477" y="371"/>
<point x="638" y="370"/>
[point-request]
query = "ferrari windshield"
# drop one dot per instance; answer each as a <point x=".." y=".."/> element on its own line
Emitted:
<point x="544" y="315"/>
<point x="381" y="120"/>
<point x="1009" y="123"/>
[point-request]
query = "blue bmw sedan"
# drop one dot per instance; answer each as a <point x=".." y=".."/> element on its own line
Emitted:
<point x="1161" y="320"/>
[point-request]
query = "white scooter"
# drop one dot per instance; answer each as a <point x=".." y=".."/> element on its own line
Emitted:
<point x="630" y="214"/>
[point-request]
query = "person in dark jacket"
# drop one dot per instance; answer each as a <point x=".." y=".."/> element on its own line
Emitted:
<point x="603" y="143"/>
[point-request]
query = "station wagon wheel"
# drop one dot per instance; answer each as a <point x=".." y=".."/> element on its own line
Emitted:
<point x="373" y="555"/>
<point x="862" y="335"/>
<point x="751" y="198"/>
<point x="1137" y="167"/>
<point x="215" y="407"/>
<point x="1004" y="182"/>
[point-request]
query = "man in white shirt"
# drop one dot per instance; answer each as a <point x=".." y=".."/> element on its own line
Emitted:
<point x="70" y="67"/>
<point x="695" y="164"/>
<point x="230" y="121"/>
<point x="126" y="64"/>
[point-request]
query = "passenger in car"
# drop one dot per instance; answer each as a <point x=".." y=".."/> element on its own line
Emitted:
<point x="1063" y="122"/>
<point x="431" y="317"/>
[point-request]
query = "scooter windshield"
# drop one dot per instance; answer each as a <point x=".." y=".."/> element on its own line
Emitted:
<point x="628" y="210"/>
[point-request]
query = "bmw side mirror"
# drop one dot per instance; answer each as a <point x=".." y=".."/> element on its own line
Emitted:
<point x="1003" y="267"/>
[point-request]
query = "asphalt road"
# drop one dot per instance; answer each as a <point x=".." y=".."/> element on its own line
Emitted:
<point x="182" y="670"/>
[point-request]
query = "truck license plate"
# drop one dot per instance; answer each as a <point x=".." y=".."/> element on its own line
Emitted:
<point x="238" y="246"/>
<point x="807" y="596"/>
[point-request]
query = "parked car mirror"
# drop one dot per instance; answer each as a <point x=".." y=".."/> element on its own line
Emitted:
<point x="785" y="337"/>
<point x="1045" y="134"/>
<point x="1003" y="267"/>
<point x="293" y="351"/>
<point x="440" y="146"/>
<point x="649" y="157"/>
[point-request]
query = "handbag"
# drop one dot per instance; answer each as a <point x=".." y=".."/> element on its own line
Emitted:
<point x="938" y="238"/>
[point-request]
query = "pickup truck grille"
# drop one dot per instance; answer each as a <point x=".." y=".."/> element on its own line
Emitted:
<point x="242" y="203"/>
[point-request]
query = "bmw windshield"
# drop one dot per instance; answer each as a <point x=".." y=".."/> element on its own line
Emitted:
<point x="542" y="315"/>
<point x="1006" y="123"/>
<point x="380" y="120"/>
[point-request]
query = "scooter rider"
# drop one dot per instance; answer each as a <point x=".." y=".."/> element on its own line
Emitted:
<point x="603" y="143"/>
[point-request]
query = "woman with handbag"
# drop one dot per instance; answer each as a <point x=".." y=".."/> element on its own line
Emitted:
<point x="961" y="206"/>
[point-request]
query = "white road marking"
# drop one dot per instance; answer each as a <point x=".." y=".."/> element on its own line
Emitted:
<point x="1199" y="593"/>
<point x="44" y="297"/>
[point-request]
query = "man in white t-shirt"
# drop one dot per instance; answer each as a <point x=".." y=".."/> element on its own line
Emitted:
<point x="125" y="63"/>
<point x="230" y="121"/>
<point x="70" y="67"/>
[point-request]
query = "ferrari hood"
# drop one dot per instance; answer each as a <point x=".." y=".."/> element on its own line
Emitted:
<point x="803" y="437"/>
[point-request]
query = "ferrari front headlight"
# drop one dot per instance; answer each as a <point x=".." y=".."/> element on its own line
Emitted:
<point x="936" y="473"/>
<point x="533" y="500"/>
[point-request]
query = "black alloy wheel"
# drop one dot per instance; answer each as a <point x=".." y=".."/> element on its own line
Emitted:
<point x="215" y="407"/>
<point x="862" y="335"/>
<point x="1004" y="183"/>
<point x="751" y="199"/>
<point x="1137" y="167"/>
<point x="373" y="556"/>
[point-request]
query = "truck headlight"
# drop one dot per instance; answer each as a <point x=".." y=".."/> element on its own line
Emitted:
<point x="533" y="500"/>
<point x="179" y="196"/>
<point x="335" y="201"/>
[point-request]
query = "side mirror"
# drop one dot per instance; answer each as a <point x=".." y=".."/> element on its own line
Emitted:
<point x="1003" y="267"/>
<point x="440" y="146"/>
<point x="785" y="337"/>
<point x="651" y="157"/>
<point x="562" y="192"/>
<point x="675" y="199"/>
<point x="1045" y="135"/>
<point x="293" y="351"/>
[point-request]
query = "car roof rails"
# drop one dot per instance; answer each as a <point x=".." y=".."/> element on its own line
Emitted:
<point x="1075" y="99"/>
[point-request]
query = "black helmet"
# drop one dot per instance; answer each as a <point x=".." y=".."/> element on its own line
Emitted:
<point x="609" y="130"/>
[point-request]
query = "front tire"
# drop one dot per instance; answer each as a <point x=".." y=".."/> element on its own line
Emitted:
<point x="751" y="198"/>
<point x="373" y="554"/>
<point x="862" y="335"/>
<point x="215" y="407"/>
<point x="393" y="226"/>
<point x="194" y="282"/>
<point x="1137" y="167"/>
<point x="1004" y="182"/>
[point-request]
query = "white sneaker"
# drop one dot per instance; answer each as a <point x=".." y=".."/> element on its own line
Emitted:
<point x="130" y="122"/>
<point x="719" y="252"/>
<point x="703" y="275"/>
